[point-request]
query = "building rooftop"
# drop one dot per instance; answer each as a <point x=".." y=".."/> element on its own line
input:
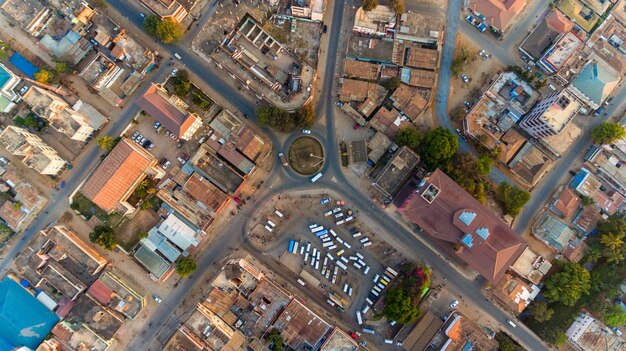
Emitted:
<point x="546" y="33"/>
<point x="514" y="293"/>
<point x="76" y="337"/>
<point x="587" y="219"/>
<point x="589" y="334"/>
<point x="182" y="340"/>
<point x="607" y="42"/>
<point x="389" y="121"/>
<point x="118" y="175"/>
<point x="392" y="177"/>
<point x="300" y="327"/>
<point x="370" y="49"/>
<point x="418" y="77"/>
<point x="562" y="110"/>
<point x="152" y="261"/>
<point x="599" y="6"/>
<point x="409" y="101"/>
<point x="361" y="69"/>
<point x="413" y="56"/>
<point x="213" y="330"/>
<point x="447" y="212"/>
<point x="209" y="166"/>
<point x="498" y="13"/>
<point x="169" y="111"/>
<point x="567" y="204"/>
<point x="531" y="266"/>
<point x="575" y="250"/>
<point x="552" y="231"/>
<point x="358" y="90"/>
<point x="377" y="146"/>
<point x="25" y="321"/>
<point x="99" y="319"/>
<point x="424" y="331"/>
<point x="588" y="184"/>
<point x="12" y="214"/>
<point x="560" y="143"/>
<point x="377" y="20"/>
<point x="584" y="17"/>
<point x="510" y="143"/>
<point x="204" y="191"/>
<point x="26" y="12"/>
<point x="619" y="11"/>
<point x="460" y="333"/>
<point x="424" y="28"/>
<point x="339" y="341"/>
<point x="176" y="200"/>
<point x="116" y="293"/>
<point x="530" y="164"/>
<point x="554" y="59"/>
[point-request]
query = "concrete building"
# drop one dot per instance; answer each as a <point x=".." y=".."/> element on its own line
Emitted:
<point x="8" y="82"/>
<point x="608" y="162"/>
<point x="170" y="111"/>
<point x="497" y="13"/>
<point x="377" y="22"/>
<point x="31" y="15"/>
<point x="171" y="9"/>
<point x="389" y="179"/>
<point x="115" y="179"/>
<point x="589" y="334"/>
<point x="311" y="9"/>
<point x="58" y="113"/>
<point x="554" y="59"/>
<point x="551" y="114"/>
<point x="594" y="83"/>
<point x="37" y="154"/>
<point x="552" y="231"/>
<point x="514" y="293"/>
<point x="588" y="184"/>
<point x="548" y="31"/>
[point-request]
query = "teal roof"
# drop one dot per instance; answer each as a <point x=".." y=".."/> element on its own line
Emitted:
<point x="153" y="262"/>
<point x="595" y="81"/>
<point x="24" y="320"/>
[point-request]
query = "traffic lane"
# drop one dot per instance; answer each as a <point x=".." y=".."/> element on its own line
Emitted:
<point x="487" y="42"/>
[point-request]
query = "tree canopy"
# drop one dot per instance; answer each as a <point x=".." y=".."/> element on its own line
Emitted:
<point x="104" y="236"/>
<point x="369" y="5"/>
<point x="397" y="6"/>
<point x="274" y="117"/>
<point x="568" y="285"/>
<point x="612" y="234"/>
<point x="438" y="146"/>
<point x="608" y="133"/>
<point x="540" y="311"/>
<point x="106" y="143"/>
<point x="614" y="316"/>
<point x="44" y="76"/>
<point x="304" y="116"/>
<point x="167" y="30"/>
<point x="483" y="165"/>
<point x="392" y="83"/>
<point x="275" y="339"/>
<point x="408" y="136"/>
<point x="464" y="169"/>
<point x="185" y="266"/>
<point x="512" y="198"/>
<point x="398" y="306"/>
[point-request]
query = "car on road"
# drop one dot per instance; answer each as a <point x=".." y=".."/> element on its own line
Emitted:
<point x="134" y="136"/>
<point x="470" y="19"/>
<point x="481" y="27"/>
<point x="306" y="131"/>
<point x="157" y="125"/>
<point x="465" y="78"/>
<point x="156" y="298"/>
<point x="283" y="159"/>
<point x="174" y="72"/>
<point x="454" y="303"/>
<point x="143" y="15"/>
<point x="572" y="172"/>
<point x="467" y="103"/>
<point x="202" y="139"/>
<point x="4" y="161"/>
<point x="325" y="29"/>
<point x="524" y="58"/>
<point x="339" y="103"/>
<point x="598" y="112"/>
<point x="511" y="323"/>
<point x="165" y="163"/>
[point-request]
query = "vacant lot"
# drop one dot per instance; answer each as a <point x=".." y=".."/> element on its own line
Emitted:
<point x="132" y="230"/>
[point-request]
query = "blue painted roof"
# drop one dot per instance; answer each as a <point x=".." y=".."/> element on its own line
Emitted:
<point x="578" y="178"/>
<point x="468" y="240"/>
<point x="467" y="217"/>
<point x="25" y="321"/>
<point x="24" y="65"/>
<point x="468" y="346"/>
<point x="483" y="233"/>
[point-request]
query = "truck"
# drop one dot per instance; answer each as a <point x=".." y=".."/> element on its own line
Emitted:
<point x="316" y="177"/>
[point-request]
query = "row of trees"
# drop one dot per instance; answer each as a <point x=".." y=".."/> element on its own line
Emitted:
<point x="573" y="288"/>
<point x="396" y="5"/>
<point x="284" y="121"/>
<point x="402" y="301"/>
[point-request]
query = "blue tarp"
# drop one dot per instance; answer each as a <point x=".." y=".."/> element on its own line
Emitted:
<point x="24" y="65"/>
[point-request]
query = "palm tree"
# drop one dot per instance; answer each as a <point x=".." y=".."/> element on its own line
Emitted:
<point x="612" y="241"/>
<point x="143" y="185"/>
<point x="106" y="143"/>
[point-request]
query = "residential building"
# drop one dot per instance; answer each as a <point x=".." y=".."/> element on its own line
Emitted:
<point x="421" y="335"/>
<point x="551" y="114"/>
<point x="619" y="11"/>
<point x="510" y="143"/>
<point x="560" y="52"/>
<point x="409" y="101"/>
<point x="388" y="180"/>
<point x="177" y="231"/>
<point x="514" y="293"/>
<point x="566" y="205"/>
<point x="546" y="33"/>
<point x="425" y="29"/>
<point x="607" y="162"/>
<point x="450" y="214"/>
<point x="117" y="294"/>
<point x="530" y="164"/>
<point x="158" y="267"/>
<point x="389" y="121"/>
<point x="377" y="146"/>
<point x="170" y="111"/>
<point x="20" y="311"/>
<point x="607" y="42"/>
<point x="31" y="15"/>
<point x="208" y="165"/>
<point x="99" y="319"/>
<point x="412" y="55"/>
<point x="552" y="231"/>
<point x="587" y="219"/>
<point x="58" y="113"/>
<point x="165" y="9"/>
<point x="110" y="185"/>
<point x="579" y="13"/>
<point x="37" y="154"/>
<point x="589" y="334"/>
<point x="419" y="78"/>
<point x="587" y="184"/>
<point x="71" y="47"/>
<point x="598" y="6"/>
<point x="358" y="90"/>
<point x="75" y="337"/>
<point x="300" y="327"/>
<point x="377" y="23"/>
<point x="8" y="82"/>
<point x="11" y="212"/>
<point x="594" y="83"/>
<point x="499" y="14"/>
<point x="460" y="333"/>
<point x="311" y="9"/>
<point x="361" y="69"/>
<point x="531" y="266"/>
<point x="339" y="340"/>
<point x="228" y="128"/>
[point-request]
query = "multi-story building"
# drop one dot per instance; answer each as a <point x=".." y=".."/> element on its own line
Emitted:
<point x="313" y="9"/>
<point x="167" y="9"/>
<point x="8" y="82"/>
<point x="59" y="114"/>
<point x="37" y="154"/>
<point x="551" y="114"/>
<point x="595" y="82"/>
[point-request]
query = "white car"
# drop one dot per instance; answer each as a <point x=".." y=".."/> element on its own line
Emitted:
<point x="156" y="298"/>
<point x="454" y="303"/>
<point x="174" y="72"/>
<point x="465" y="78"/>
<point x="306" y="131"/>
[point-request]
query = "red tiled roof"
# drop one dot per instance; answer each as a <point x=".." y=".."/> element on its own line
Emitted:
<point x="115" y="176"/>
<point x="100" y="292"/>
<point x="567" y="203"/>
<point x="12" y="215"/>
<point x="498" y="12"/>
<point x="489" y="254"/>
<point x="162" y="110"/>
<point x="558" y="22"/>
<point x="204" y="191"/>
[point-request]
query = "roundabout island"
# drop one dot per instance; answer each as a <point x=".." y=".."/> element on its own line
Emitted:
<point x="306" y="155"/>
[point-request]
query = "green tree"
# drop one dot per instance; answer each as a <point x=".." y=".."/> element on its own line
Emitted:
<point x="483" y="165"/>
<point x="369" y="5"/>
<point x="512" y="198"/>
<point x="276" y="118"/>
<point x="506" y="343"/>
<point x="608" y="133"/>
<point x="438" y="146"/>
<point x="106" y="143"/>
<point x="61" y="67"/>
<point x="614" y="316"/>
<point x="185" y="266"/>
<point x="275" y="339"/>
<point x="392" y="83"/>
<point x="612" y="234"/>
<point x="150" y="24"/>
<point x="586" y="200"/>
<point x="169" y="30"/>
<point x="305" y="116"/>
<point x="103" y="236"/>
<point x="568" y="284"/>
<point x="44" y="76"/>
<point x="541" y="312"/>
<point x="408" y="136"/>
<point x="397" y="6"/>
<point x="4" y="50"/>
<point x="398" y="306"/>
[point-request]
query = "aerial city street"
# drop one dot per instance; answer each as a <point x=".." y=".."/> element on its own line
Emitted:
<point x="320" y="175"/>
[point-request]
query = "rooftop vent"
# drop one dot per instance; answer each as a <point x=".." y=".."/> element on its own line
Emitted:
<point x="430" y="194"/>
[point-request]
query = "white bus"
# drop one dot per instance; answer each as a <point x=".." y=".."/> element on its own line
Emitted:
<point x="369" y="243"/>
<point x="367" y="270"/>
<point x="279" y="214"/>
<point x="312" y="226"/>
<point x="317" y="229"/>
<point x="340" y="264"/>
<point x="333" y="233"/>
<point x="358" y="317"/>
<point x="356" y="235"/>
<point x="394" y="273"/>
<point x="268" y="228"/>
<point x="316" y="177"/>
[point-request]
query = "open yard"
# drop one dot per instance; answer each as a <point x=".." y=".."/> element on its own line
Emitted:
<point x="88" y="209"/>
<point x="132" y="230"/>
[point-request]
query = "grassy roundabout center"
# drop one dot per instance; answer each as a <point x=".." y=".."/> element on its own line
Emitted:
<point x="306" y="155"/>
